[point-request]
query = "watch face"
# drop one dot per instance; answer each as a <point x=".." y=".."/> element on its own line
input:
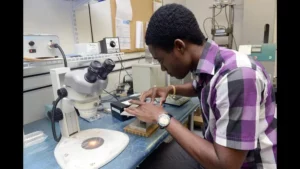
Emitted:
<point x="164" y="120"/>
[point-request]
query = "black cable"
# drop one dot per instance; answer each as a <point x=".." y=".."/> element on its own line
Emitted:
<point x="52" y="120"/>
<point x="62" y="53"/>
<point x="111" y="94"/>
<point x="121" y="62"/>
<point x="103" y="101"/>
<point x="219" y="11"/>
<point x="236" y="47"/>
<point x="204" y="25"/>
<point x="226" y="16"/>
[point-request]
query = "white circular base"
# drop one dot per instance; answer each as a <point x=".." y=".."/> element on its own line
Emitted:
<point x="70" y="155"/>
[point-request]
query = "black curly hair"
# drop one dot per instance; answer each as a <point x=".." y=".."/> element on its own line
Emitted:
<point x="170" y="22"/>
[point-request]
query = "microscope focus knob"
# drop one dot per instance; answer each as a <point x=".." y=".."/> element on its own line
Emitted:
<point x="62" y="92"/>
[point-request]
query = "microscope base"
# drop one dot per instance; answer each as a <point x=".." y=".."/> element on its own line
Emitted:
<point x="90" y="149"/>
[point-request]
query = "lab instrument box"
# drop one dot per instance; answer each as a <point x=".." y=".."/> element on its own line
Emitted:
<point x="118" y="107"/>
<point x="36" y="46"/>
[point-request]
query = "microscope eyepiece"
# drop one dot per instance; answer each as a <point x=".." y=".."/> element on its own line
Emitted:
<point x="106" y="68"/>
<point x="93" y="71"/>
<point x="96" y="70"/>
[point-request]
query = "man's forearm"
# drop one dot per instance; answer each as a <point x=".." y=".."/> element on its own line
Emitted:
<point x="199" y="148"/>
<point x="185" y="90"/>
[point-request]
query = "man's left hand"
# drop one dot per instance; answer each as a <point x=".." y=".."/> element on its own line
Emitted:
<point x="146" y="112"/>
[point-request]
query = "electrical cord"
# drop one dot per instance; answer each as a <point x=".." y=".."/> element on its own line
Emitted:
<point x="55" y="45"/>
<point x="103" y="101"/>
<point x="62" y="92"/>
<point x="221" y="8"/>
<point x="53" y="121"/>
<point x="219" y="11"/>
<point x="121" y="62"/>
<point x="204" y="25"/>
<point x="111" y="94"/>
<point x="122" y="68"/>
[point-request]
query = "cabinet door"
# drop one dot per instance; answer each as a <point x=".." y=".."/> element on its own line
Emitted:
<point x="259" y="19"/>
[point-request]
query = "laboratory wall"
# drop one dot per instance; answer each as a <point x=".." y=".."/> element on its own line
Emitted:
<point x="259" y="23"/>
<point x="50" y="17"/>
<point x="201" y="10"/>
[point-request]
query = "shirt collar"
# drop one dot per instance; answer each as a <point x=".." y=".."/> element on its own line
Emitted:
<point x="206" y="62"/>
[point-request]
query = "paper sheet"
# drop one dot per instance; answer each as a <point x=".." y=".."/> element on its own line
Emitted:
<point x="246" y="49"/>
<point x="124" y="9"/>
<point x="124" y="113"/>
<point x="139" y="37"/>
<point x="156" y="5"/>
<point x="123" y="32"/>
<point x="100" y="15"/>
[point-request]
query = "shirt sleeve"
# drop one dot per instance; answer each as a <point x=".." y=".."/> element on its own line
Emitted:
<point x="237" y="108"/>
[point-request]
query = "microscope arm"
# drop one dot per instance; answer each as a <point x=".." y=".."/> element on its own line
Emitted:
<point x="80" y="94"/>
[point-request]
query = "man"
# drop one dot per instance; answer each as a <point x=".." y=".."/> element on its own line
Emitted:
<point x="235" y="94"/>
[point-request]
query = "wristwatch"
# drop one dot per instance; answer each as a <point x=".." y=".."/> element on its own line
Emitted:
<point x="164" y="120"/>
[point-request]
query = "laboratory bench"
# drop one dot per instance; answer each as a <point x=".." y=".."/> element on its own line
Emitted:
<point x="41" y="156"/>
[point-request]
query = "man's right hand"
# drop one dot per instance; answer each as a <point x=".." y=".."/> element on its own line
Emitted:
<point x="155" y="92"/>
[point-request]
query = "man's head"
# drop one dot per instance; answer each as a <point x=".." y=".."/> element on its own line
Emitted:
<point x="172" y="34"/>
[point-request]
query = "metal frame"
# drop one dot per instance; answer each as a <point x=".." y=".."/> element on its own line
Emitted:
<point x="230" y="23"/>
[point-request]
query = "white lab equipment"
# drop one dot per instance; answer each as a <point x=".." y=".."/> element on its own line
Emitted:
<point x="79" y="95"/>
<point x="87" y="48"/>
<point x="36" y="46"/>
<point x="146" y="76"/>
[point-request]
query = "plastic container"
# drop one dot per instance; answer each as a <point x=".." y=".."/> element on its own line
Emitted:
<point x="34" y="138"/>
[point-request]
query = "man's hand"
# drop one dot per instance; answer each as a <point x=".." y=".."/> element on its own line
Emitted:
<point x="154" y="92"/>
<point x="146" y="112"/>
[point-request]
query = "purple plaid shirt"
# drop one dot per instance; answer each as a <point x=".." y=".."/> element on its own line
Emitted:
<point x="238" y="104"/>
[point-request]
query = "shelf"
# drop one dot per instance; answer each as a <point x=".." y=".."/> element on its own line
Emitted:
<point x="56" y="61"/>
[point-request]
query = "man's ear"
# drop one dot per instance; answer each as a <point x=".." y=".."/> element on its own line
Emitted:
<point x="179" y="45"/>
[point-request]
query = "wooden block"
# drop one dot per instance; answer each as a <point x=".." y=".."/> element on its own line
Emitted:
<point x="148" y="132"/>
<point x="198" y="121"/>
<point x="198" y="112"/>
<point x="185" y="124"/>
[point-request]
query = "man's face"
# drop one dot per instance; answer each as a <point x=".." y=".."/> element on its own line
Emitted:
<point x="177" y="62"/>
